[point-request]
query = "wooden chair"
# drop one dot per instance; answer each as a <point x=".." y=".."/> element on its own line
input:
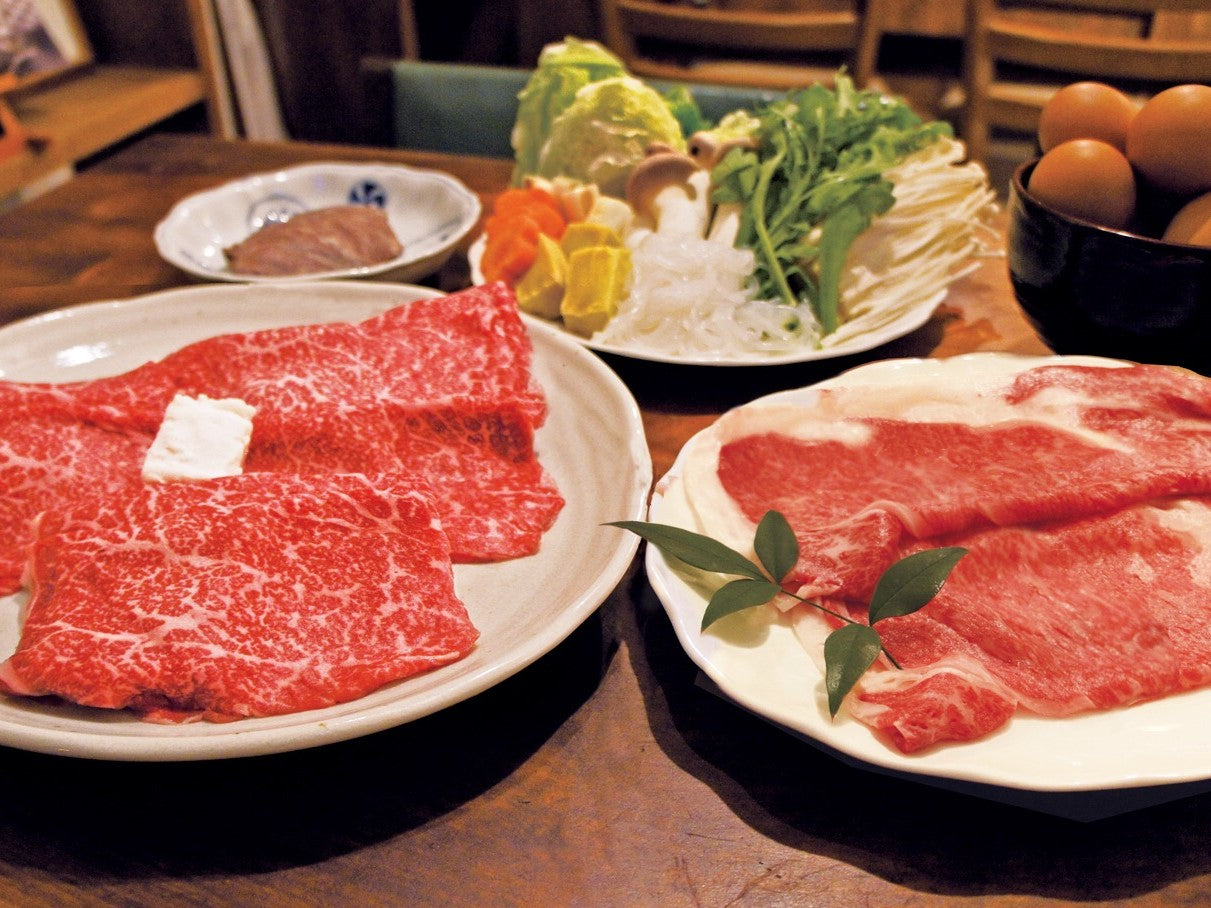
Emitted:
<point x="777" y="44"/>
<point x="1017" y="53"/>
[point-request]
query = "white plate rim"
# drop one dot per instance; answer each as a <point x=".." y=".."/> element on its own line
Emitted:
<point x="408" y="266"/>
<point x="1088" y="754"/>
<point x="904" y="324"/>
<point x="96" y="734"/>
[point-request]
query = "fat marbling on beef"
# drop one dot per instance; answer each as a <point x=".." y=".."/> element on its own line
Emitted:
<point x="1078" y="489"/>
<point x="249" y="595"/>
<point x="450" y="374"/>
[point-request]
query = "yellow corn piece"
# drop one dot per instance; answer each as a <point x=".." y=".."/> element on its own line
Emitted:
<point x="598" y="278"/>
<point x="581" y="234"/>
<point x="540" y="290"/>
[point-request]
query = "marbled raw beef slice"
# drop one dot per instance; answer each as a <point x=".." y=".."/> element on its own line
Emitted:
<point x="1052" y="619"/>
<point x="494" y="498"/>
<point x="48" y="456"/>
<point x="435" y="351"/>
<point x="856" y="482"/>
<point x="251" y="595"/>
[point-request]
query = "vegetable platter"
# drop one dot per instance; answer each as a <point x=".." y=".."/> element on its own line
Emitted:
<point x="820" y="223"/>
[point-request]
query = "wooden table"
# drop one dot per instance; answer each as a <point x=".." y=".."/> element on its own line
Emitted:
<point x="603" y="774"/>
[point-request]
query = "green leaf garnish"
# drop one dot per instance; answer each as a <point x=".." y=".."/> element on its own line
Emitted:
<point x="848" y="652"/>
<point x="776" y="545"/>
<point x="694" y="549"/>
<point x="737" y="595"/>
<point x="912" y="581"/>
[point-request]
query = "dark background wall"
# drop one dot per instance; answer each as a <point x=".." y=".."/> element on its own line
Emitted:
<point x="317" y="45"/>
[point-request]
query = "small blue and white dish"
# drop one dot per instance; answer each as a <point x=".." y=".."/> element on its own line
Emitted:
<point x="429" y="212"/>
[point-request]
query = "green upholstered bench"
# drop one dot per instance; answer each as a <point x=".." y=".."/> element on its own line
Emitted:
<point x="470" y="109"/>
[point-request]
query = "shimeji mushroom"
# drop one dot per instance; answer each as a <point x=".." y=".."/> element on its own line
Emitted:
<point x="668" y="190"/>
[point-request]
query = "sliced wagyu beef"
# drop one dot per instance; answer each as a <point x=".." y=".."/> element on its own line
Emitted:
<point x="379" y="453"/>
<point x="1081" y="492"/>
<point x="441" y="388"/>
<point x="249" y="595"/>
<point x="50" y="455"/>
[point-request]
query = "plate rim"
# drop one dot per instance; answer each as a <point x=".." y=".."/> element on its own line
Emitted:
<point x="901" y="326"/>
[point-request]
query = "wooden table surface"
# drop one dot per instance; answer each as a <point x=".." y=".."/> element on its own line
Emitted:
<point x="603" y="774"/>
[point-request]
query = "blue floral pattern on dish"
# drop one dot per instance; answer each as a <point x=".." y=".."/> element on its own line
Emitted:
<point x="368" y="192"/>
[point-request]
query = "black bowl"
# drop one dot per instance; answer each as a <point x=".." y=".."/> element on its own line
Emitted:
<point x="1093" y="290"/>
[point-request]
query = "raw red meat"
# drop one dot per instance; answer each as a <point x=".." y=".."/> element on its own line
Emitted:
<point x="926" y="479"/>
<point x="325" y="239"/>
<point x="246" y="596"/>
<point x="48" y="455"/>
<point x="449" y="372"/>
<point x="494" y="498"/>
<point x="321" y="573"/>
<point x="467" y="345"/>
<point x="1055" y="619"/>
<point x="330" y="397"/>
<point x="1084" y="506"/>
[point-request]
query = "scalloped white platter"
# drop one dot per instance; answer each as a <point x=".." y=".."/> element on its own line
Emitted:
<point x="1085" y="767"/>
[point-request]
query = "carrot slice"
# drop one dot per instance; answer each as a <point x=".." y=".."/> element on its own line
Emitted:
<point x="512" y="230"/>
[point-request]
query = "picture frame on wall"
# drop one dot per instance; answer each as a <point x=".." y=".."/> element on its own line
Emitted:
<point x="40" y="39"/>
<point x="12" y="136"/>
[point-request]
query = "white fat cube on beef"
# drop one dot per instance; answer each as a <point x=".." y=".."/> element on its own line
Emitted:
<point x="200" y="438"/>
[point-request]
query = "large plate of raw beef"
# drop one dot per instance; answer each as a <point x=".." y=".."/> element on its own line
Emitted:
<point x="481" y="558"/>
<point x="1069" y="651"/>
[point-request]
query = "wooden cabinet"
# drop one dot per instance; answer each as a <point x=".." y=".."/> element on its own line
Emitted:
<point x="87" y="111"/>
<point x="147" y="68"/>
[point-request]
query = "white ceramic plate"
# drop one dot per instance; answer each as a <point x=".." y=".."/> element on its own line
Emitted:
<point x="903" y="323"/>
<point x="428" y="211"/>
<point x="764" y="668"/>
<point x="592" y="444"/>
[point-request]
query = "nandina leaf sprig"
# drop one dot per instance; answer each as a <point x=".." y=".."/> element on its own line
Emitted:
<point x="851" y="649"/>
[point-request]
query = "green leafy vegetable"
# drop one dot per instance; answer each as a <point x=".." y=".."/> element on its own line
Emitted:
<point x="685" y="109"/>
<point x="814" y="183"/>
<point x="563" y="69"/>
<point x="849" y="650"/>
<point x="606" y="131"/>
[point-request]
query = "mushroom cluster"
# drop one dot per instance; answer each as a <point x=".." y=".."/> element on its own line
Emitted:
<point x="669" y="190"/>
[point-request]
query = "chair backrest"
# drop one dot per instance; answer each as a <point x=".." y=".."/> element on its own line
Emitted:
<point x="1017" y="53"/>
<point x="777" y="44"/>
<point x="470" y="109"/>
<point x="241" y="95"/>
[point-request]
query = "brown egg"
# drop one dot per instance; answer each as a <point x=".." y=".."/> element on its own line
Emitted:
<point x="1192" y="217"/>
<point x="1086" y="110"/>
<point x="1087" y="179"/>
<point x="1169" y="141"/>
<point x="1201" y="237"/>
